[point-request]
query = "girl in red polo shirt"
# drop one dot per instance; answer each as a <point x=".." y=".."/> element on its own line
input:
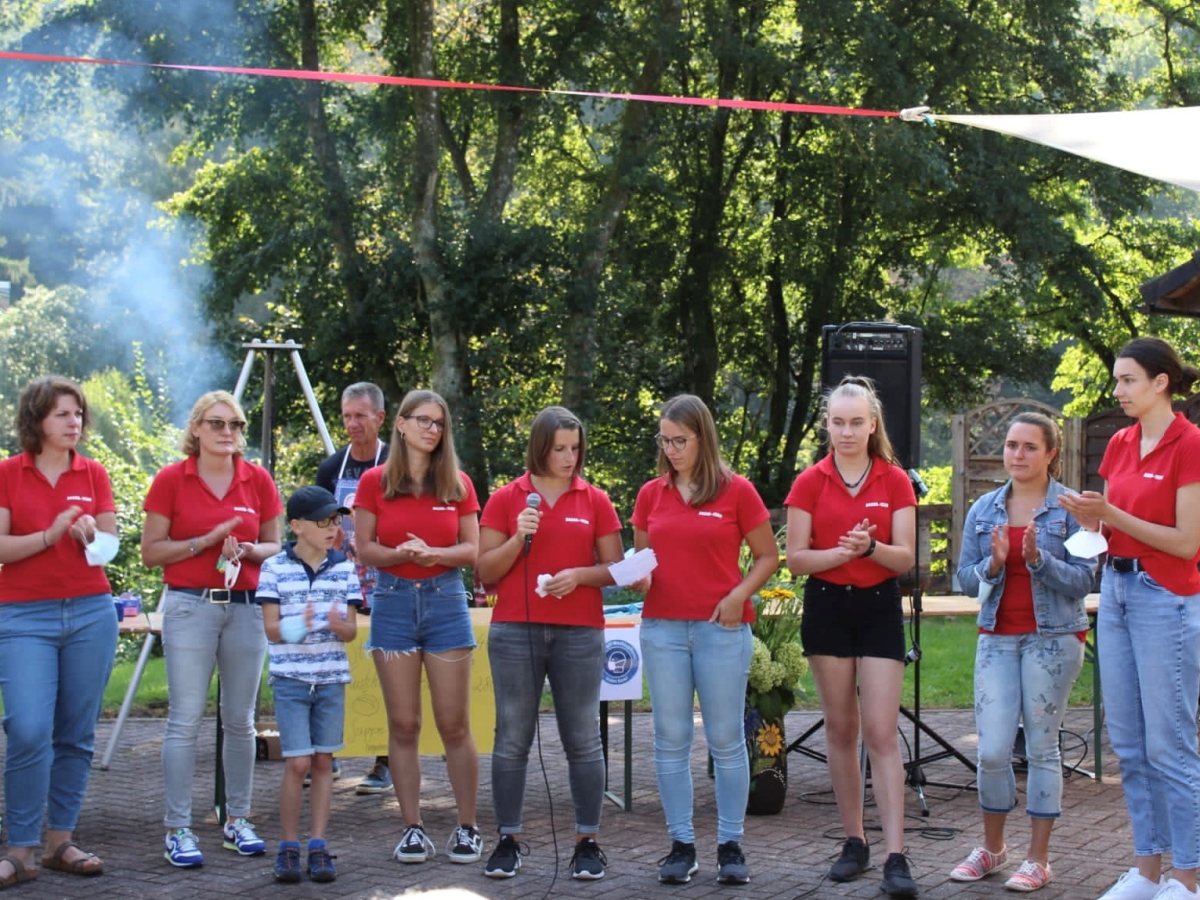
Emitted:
<point x="557" y="634"/>
<point x="416" y="521"/>
<point x="696" y="626"/>
<point x="211" y="520"/>
<point x="1149" y="620"/>
<point x="58" y="629"/>
<point x="852" y="529"/>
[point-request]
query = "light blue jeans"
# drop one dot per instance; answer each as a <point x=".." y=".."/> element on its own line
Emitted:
<point x="55" y="658"/>
<point x="1023" y="678"/>
<point x="199" y="636"/>
<point x="685" y="659"/>
<point x="522" y="656"/>
<point x="1149" y="643"/>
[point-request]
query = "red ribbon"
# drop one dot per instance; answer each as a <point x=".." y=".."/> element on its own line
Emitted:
<point x="355" y="78"/>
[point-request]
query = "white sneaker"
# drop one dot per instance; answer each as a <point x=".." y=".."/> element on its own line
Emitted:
<point x="1174" y="890"/>
<point x="1133" y="886"/>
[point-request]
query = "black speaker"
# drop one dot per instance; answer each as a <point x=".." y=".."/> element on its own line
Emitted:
<point x="890" y="355"/>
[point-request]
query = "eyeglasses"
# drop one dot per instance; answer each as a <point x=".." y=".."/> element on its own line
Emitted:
<point x="666" y="443"/>
<point x="329" y="520"/>
<point x="427" y="424"/>
<point x="237" y="426"/>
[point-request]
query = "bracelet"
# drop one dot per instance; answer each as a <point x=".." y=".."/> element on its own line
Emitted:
<point x="45" y="537"/>
<point x="870" y="549"/>
<point x="192" y="547"/>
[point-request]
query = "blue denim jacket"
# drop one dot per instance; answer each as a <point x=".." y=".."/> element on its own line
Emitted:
<point x="1060" y="582"/>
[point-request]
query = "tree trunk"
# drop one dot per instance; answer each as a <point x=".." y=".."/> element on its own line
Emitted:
<point x="635" y="139"/>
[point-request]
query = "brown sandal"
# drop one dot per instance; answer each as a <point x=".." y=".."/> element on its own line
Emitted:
<point x="89" y="867"/>
<point x="21" y="873"/>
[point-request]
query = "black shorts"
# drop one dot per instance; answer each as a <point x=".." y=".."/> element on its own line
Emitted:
<point x="843" y="620"/>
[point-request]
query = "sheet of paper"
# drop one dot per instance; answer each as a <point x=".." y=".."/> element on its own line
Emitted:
<point x="634" y="568"/>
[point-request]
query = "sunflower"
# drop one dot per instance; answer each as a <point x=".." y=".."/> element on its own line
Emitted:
<point x="770" y="739"/>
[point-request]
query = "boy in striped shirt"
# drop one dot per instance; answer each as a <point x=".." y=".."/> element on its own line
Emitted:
<point x="306" y="592"/>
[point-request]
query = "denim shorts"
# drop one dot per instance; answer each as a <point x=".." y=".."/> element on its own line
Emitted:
<point x="310" y="716"/>
<point x="427" y="615"/>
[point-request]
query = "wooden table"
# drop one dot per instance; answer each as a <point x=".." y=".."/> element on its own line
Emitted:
<point x="947" y="605"/>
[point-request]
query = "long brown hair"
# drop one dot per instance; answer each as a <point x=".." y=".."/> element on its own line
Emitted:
<point x="442" y="480"/>
<point x="545" y="425"/>
<point x="863" y="388"/>
<point x="711" y="473"/>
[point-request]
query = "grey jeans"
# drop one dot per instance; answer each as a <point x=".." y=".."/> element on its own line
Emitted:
<point x="199" y="636"/>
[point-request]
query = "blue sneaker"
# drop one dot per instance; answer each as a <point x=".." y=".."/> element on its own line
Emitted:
<point x="320" y="865"/>
<point x="240" y="836"/>
<point x="377" y="781"/>
<point x="183" y="850"/>
<point x="287" y="864"/>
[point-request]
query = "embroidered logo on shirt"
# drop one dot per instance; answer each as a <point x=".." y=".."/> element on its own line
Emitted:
<point x="443" y="509"/>
<point x="878" y="503"/>
<point x="80" y="497"/>
<point x="246" y="509"/>
<point x="711" y="515"/>
<point x="1152" y="475"/>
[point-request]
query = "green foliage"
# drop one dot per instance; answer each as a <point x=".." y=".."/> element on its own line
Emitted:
<point x="777" y="663"/>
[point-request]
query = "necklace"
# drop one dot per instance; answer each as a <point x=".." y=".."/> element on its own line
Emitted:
<point x="853" y="484"/>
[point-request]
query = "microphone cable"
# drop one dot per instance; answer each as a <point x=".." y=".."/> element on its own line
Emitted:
<point x="537" y="718"/>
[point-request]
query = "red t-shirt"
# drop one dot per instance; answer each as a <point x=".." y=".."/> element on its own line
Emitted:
<point x="180" y="494"/>
<point x="1146" y="488"/>
<point x="432" y="520"/>
<point x="61" y="571"/>
<point x="697" y="546"/>
<point x="820" y="491"/>
<point x="1015" y="614"/>
<point x="566" y="538"/>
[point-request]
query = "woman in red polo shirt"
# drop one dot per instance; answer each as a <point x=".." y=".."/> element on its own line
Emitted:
<point x="1149" y="620"/>
<point x="416" y="521"/>
<point x="556" y="633"/>
<point x="696" y="626"/>
<point x="852" y="527"/>
<point x="211" y="520"/>
<point x="58" y="630"/>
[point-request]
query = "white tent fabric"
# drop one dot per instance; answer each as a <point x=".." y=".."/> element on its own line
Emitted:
<point x="1157" y="143"/>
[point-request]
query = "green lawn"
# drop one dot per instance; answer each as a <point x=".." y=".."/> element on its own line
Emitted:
<point x="947" y="665"/>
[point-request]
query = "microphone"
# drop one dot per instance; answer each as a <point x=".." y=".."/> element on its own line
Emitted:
<point x="533" y="501"/>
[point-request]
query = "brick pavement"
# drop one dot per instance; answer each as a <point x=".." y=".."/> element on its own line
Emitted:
<point x="788" y="854"/>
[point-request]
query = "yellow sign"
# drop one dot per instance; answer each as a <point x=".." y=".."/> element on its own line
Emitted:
<point x="366" y="731"/>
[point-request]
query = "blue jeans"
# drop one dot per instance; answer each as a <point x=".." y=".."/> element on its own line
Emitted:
<point x="55" y="658"/>
<point x="199" y="636"/>
<point x="1026" y="678"/>
<point x="522" y="656"/>
<point x="1149" y="643"/>
<point x="311" y="717"/>
<point x="685" y="659"/>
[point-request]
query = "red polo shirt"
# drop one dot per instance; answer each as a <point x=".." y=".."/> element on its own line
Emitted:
<point x="61" y="571"/>
<point x="432" y="520"/>
<point x="180" y="494"/>
<point x="1146" y="488"/>
<point x="697" y="546"/>
<point x="820" y="491"/>
<point x="566" y="538"/>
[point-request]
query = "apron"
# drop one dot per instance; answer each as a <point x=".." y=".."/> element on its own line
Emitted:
<point x="344" y="490"/>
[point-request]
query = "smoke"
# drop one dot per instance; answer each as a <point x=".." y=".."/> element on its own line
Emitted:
<point x="85" y="164"/>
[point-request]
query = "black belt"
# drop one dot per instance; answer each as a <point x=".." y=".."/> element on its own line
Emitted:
<point x="1125" y="564"/>
<point x="216" y="595"/>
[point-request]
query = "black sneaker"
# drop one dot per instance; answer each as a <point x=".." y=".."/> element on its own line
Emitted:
<point x="505" y="859"/>
<point x="897" y="879"/>
<point x="853" y="861"/>
<point x="588" y="861"/>
<point x="731" y="864"/>
<point x="678" y="866"/>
